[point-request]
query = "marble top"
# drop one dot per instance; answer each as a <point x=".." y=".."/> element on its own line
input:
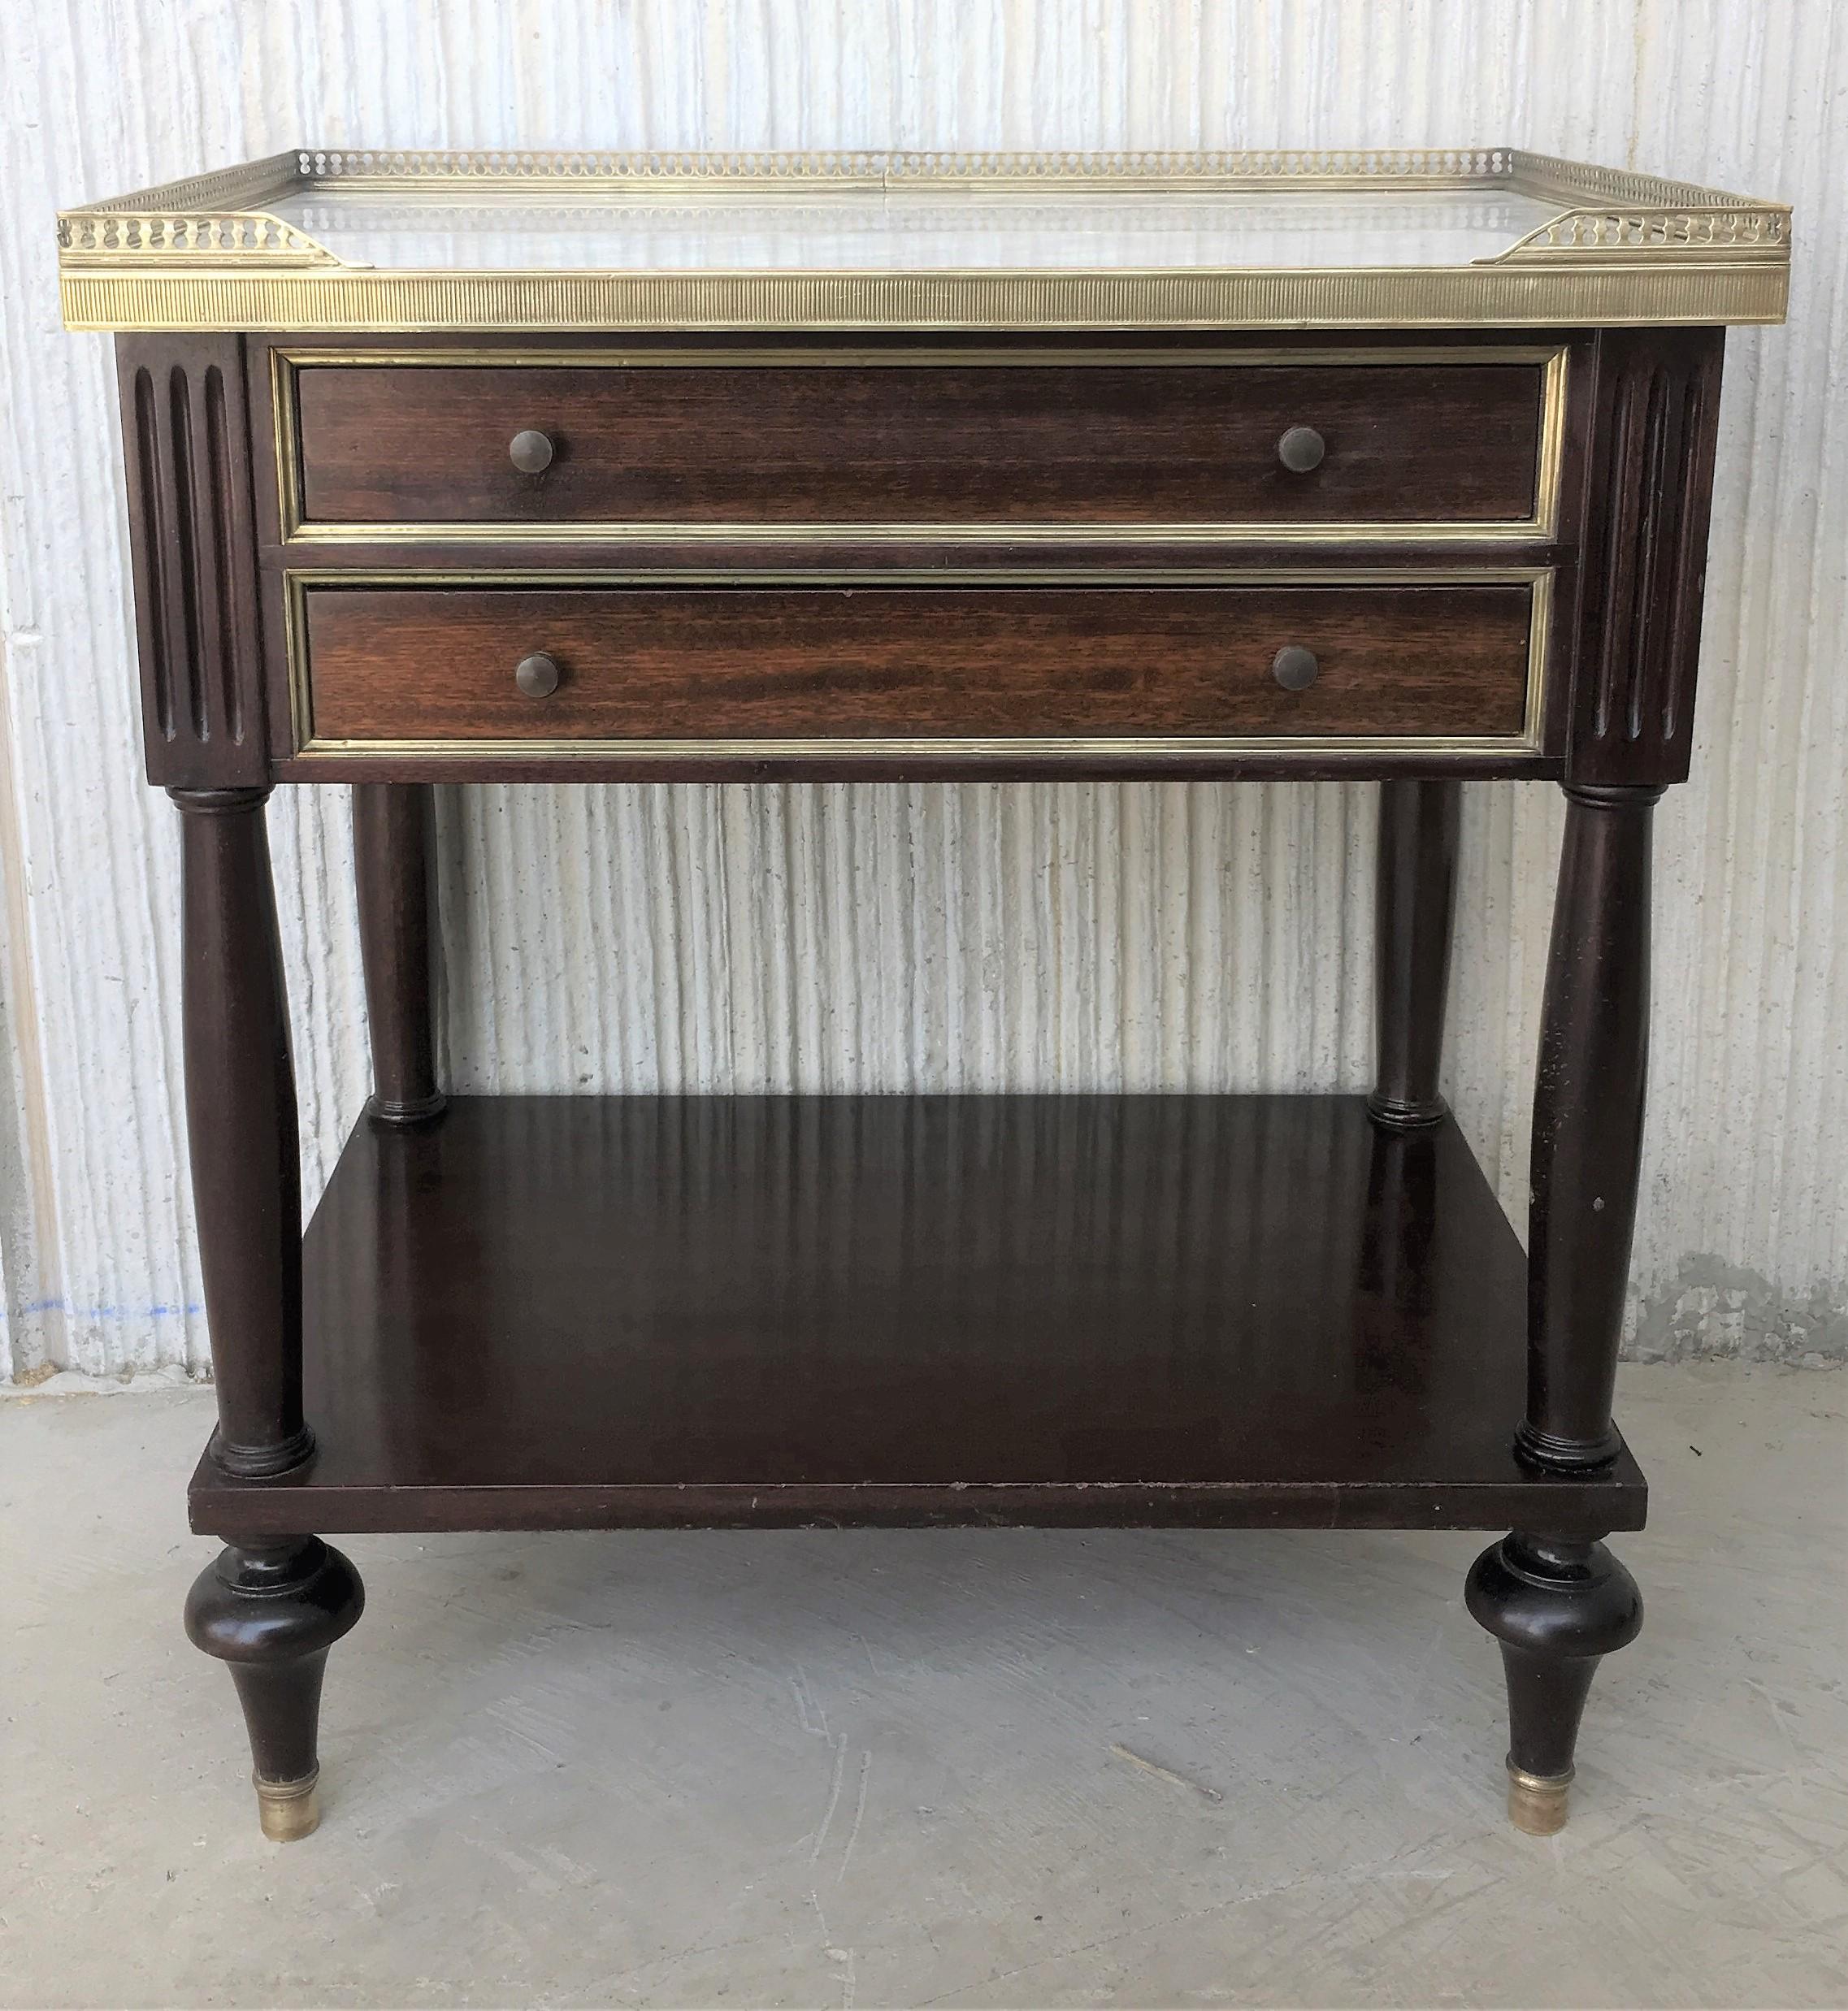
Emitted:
<point x="873" y="230"/>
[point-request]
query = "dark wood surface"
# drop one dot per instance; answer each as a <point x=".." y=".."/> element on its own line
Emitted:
<point x="1558" y="1605"/>
<point x="663" y="1311"/>
<point x="241" y="1127"/>
<point x="1656" y="425"/>
<point x="848" y="441"/>
<point x="394" y="870"/>
<point x="193" y="547"/>
<point x="270" y="1611"/>
<point x="588" y="549"/>
<point x="1589" y="1094"/>
<point x="414" y="663"/>
<point x="1414" y="901"/>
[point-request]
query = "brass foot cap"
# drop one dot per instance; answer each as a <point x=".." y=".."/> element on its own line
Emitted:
<point x="1537" y="1802"/>
<point x="287" y="1809"/>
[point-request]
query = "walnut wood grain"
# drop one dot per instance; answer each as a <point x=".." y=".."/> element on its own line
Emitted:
<point x="850" y="442"/>
<point x="438" y="664"/>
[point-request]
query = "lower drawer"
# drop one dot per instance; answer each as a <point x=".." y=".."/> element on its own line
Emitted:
<point x="434" y="664"/>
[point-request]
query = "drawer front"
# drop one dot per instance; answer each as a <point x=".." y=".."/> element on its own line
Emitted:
<point x="1463" y="445"/>
<point x="833" y="666"/>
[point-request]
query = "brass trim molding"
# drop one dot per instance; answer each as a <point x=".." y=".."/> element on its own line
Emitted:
<point x="1622" y="248"/>
<point x="998" y="748"/>
<point x="298" y="530"/>
<point x="322" y="302"/>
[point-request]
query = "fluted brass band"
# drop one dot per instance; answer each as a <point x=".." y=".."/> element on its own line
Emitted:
<point x="341" y="299"/>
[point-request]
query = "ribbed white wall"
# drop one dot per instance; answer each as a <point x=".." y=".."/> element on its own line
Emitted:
<point x="1077" y="936"/>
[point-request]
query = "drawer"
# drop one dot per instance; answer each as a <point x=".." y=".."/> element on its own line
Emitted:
<point x="761" y="443"/>
<point x="819" y="665"/>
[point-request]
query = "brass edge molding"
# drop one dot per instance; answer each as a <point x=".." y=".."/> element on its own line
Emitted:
<point x="298" y="530"/>
<point x="1495" y="573"/>
<point x="1000" y="752"/>
<point x="1566" y="292"/>
<point x="1539" y="653"/>
<point x="296" y="582"/>
<point x="285" y="423"/>
<point x="1555" y="383"/>
<point x="1334" y="533"/>
<point x="657" y="356"/>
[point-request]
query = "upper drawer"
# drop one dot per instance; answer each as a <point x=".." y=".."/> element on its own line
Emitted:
<point x="837" y="439"/>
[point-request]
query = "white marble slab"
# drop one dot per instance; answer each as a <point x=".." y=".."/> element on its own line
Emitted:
<point x="859" y="229"/>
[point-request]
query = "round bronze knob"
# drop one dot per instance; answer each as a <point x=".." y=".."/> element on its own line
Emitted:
<point x="1295" y="667"/>
<point x="538" y="674"/>
<point x="1301" y="448"/>
<point x="531" y="452"/>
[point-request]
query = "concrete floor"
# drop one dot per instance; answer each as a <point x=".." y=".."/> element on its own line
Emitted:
<point x="893" y="1769"/>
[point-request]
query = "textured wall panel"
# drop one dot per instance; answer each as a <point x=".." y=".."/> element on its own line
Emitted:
<point x="977" y="937"/>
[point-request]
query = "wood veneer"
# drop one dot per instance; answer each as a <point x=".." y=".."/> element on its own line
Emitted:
<point x="843" y="441"/>
<point x="438" y="663"/>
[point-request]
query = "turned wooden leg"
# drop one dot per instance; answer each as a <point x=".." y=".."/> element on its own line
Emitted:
<point x="1556" y="1605"/>
<point x="395" y="867"/>
<point x="240" y="1125"/>
<point x="1415" y="893"/>
<point x="271" y="1610"/>
<point x="1588" y="1104"/>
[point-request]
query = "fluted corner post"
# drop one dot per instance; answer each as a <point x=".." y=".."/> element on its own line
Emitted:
<point x="241" y="1124"/>
<point x="1415" y="896"/>
<point x="1588" y="1112"/>
<point x="394" y="867"/>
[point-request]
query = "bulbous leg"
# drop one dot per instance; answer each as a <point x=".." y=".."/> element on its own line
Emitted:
<point x="1556" y="1605"/>
<point x="271" y="1611"/>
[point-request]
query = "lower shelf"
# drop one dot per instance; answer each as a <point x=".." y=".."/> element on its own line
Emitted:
<point x="689" y="1311"/>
